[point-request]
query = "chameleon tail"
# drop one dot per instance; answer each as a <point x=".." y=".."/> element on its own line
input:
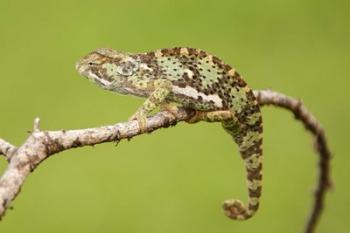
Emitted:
<point x="248" y="137"/>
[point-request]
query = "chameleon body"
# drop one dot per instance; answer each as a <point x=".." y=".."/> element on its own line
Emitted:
<point x="194" y="79"/>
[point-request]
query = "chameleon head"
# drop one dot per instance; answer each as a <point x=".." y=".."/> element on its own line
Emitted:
<point x="107" y="67"/>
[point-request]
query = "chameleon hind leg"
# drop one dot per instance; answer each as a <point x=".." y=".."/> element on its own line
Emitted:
<point x="157" y="97"/>
<point x="249" y="139"/>
<point x="214" y="116"/>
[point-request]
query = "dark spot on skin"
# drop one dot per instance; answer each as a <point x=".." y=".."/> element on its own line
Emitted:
<point x="255" y="193"/>
<point x="253" y="208"/>
<point x="236" y="75"/>
<point x="216" y="60"/>
<point x="254" y="149"/>
<point x="240" y="82"/>
<point x="165" y="52"/>
<point x="202" y="54"/>
<point x="177" y="50"/>
<point x="147" y="58"/>
<point x="255" y="173"/>
<point x="257" y="127"/>
<point x="191" y="51"/>
<point x="227" y="67"/>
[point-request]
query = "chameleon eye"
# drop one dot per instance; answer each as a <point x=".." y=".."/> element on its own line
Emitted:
<point x="127" y="68"/>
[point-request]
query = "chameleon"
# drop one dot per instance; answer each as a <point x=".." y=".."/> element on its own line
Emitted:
<point x="193" y="79"/>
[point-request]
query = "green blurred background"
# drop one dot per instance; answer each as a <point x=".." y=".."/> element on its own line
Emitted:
<point x="175" y="179"/>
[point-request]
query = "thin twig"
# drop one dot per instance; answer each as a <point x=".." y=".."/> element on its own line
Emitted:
<point x="267" y="97"/>
<point x="41" y="144"/>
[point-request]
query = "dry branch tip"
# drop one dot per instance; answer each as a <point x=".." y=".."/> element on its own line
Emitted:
<point x="36" y="126"/>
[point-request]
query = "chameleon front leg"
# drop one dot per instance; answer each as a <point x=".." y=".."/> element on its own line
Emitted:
<point x="249" y="140"/>
<point x="161" y="90"/>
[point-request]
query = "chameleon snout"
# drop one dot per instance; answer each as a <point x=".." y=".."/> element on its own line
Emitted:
<point x="80" y="67"/>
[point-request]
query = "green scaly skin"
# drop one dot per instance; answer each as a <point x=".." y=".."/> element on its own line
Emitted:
<point x="194" y="79"/>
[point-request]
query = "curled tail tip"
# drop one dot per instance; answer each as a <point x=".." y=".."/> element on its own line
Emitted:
<point x="235" y="209"/>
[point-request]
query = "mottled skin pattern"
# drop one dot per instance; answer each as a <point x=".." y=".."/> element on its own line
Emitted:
<point x="193" y="79"/>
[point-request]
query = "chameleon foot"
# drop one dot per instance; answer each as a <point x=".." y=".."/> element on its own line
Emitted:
<point x="141" y="120"/>
<point x="235" y="209"/>
<point x="198" y="116"/>
<point x="172" y="109"/>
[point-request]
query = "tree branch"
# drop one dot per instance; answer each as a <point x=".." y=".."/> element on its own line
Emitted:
<point x="311" y="124"/>
<point x="41" y="144"/>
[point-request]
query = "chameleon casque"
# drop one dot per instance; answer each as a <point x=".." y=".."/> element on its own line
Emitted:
<point x="194" y="79"/>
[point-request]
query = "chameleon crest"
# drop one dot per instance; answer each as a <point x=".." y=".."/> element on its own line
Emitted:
<point x="193" y="79"/>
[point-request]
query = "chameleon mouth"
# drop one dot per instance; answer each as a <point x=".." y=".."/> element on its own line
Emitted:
<point x="85" y="71"/>
<point x="98" y="80"/>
